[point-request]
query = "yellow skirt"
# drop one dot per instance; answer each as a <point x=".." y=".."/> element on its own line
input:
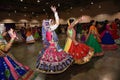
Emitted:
<point x="67" y="45"/>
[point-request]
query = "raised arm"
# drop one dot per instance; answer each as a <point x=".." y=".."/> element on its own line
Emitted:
<point x="53" y="8"/>
<point x="9" y="44"/>
<point x="75" y="22"/>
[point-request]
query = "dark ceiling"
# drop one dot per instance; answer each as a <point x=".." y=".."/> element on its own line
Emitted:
<point x="34" y="7"/>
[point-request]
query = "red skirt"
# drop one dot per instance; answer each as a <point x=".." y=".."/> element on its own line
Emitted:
<point x="81" y="52"/>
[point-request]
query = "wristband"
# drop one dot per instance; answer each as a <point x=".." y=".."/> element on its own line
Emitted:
<point x="11" y="40"/>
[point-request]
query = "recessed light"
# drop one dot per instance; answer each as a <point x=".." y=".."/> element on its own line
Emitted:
<point x="99" y="6"/>
<point x="71" y="7"/>
<point x="21" y="0"/>
<point x="58" y="5"/>
<point x="91" y="3"/>
<point x="15" y="11"/>
<point x="38" y="1"/>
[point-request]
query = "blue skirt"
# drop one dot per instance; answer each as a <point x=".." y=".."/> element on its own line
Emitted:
<point x="11" y="69"/>
<point x="107" y="38"/>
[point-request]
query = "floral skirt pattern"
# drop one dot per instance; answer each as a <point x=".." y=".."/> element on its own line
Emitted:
<point x="81" y="53"/>
<point x="52" y="61"/>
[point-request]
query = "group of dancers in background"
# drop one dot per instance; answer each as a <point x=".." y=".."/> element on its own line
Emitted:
<point x="52" y="59"/>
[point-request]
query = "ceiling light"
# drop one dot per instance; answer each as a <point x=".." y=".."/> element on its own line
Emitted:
<point x="32" y="12"/>
<point x="25" y="15"/>
<point x="38" y="1"/>
<point x="25" y="7"/>
<point x="99" y="6"/>
<point x="91" y="3"/>
<point x="81" y="9"/>
<point x="43" y="9"/>
<point x="47" y="3"/>
<point x="21" y="0"/>
<point x="9" y="14"/>
<point x="71" y="7"/>
<point x="58" y="5"/>
<point x="15" y="11"/>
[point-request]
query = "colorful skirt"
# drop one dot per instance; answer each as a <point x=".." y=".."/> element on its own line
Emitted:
<point x="12" y="70"/>
<point x="108" y="42"/>
<point x="80" y="52"/>
<point x="109" y="47"/>
<point x="83" y="38"/>
<point x="36" y="36"/>
<point x="93" y="42"/>
<point x="115" y="34"/>
<point x="30" y="39"/>
<point x="107" y="38"/>
<point x="52" y="62"/>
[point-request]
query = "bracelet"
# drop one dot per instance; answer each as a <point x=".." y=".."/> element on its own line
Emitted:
<point x="11" y="40"/>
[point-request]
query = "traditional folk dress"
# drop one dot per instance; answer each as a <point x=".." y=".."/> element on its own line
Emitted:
<point x="93" y="41"/>
<point x="30" y="38"/>
<point x="51" y="59"/>
<point x="80" y="52"/>
<point x="107" y="39"/>
<point x="36" y="35"/>
<point x="10" y="69"/>
<point x="114" y="32"/>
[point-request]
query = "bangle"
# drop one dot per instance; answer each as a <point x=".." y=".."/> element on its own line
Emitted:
<point x="11" y="40"/>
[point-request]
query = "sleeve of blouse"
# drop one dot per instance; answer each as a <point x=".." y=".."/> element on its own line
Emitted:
<point x="56" y="18"/>
<point x="53" y="27"/>
<point x="43" y="33"/>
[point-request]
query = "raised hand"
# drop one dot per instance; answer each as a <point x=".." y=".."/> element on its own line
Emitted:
<point x="80" y="19"/>
<point x="53" y="8"/>
<point x="12" y="33"/>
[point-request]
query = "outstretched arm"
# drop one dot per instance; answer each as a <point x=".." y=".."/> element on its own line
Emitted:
<point x="75" y="22"/>
<point x="53" y="27"/>
<point x="9" y="44"/>
<point x="53" y="8"/>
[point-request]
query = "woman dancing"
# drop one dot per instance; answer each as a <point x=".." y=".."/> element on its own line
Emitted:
<point x="93" y="39"/>
<point x="106" y="37"/>
<point x="10" y="69"/>
<point x="52" y="59"/>
<point x="80" y="52"/>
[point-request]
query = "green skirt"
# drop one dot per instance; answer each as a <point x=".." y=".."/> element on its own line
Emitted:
<point x="92" y="42"/>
